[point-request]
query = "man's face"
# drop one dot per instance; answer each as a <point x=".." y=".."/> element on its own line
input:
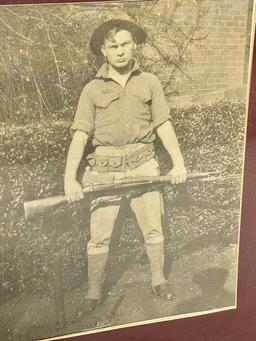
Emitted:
<point x="119" y="50"/>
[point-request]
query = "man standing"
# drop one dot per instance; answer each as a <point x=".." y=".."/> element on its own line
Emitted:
<point x="121" y="110"/>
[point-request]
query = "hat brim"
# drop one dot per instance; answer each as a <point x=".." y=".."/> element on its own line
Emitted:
<point x="98" y="35"/>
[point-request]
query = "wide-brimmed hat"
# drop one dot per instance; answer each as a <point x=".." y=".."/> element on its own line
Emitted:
<point x="98" y="35"/>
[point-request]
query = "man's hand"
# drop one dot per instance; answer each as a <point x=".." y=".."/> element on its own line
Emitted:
<point x="178" y="174"/>
<point x="73" y="190"/>
<point x="167" y="135"/>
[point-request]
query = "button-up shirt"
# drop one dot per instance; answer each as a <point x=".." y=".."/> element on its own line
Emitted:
<point x="113" y="115"/>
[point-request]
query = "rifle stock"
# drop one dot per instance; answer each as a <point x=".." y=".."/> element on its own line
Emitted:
<point x="34" y="207"/>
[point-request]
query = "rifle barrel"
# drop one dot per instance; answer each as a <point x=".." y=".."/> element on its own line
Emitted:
<point x="139" y="181"/>
<point x="34" y="207"/>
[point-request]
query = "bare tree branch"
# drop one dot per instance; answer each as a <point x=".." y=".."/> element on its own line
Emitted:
<point x="54" y="57"/>
<point x="15" y="32"/>
<point x="41" y="98"/>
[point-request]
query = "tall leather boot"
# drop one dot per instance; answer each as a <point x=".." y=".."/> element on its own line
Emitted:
<point x="96" y="269"/>
<point x="159" y="284"/>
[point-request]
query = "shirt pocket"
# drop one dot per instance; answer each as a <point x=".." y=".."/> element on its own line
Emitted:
<point x="143" y="96"/>
<point x="103" y="101"/>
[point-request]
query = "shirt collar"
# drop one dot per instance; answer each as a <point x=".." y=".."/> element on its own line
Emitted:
<point x="103" y="70"/>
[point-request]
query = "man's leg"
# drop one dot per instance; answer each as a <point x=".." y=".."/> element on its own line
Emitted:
<point x="101" y="227"/>
<point x="148" y="213"/>
<point x="148" y="209"/>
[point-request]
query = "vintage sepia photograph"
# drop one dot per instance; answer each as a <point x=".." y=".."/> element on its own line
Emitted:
<point x="123" y="127"/>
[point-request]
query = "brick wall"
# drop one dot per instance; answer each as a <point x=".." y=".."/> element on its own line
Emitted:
<point x="219" y="60"/>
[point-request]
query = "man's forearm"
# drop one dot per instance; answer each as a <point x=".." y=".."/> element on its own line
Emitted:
<point x="171" y="144"/>
<point x="75" y="154"/>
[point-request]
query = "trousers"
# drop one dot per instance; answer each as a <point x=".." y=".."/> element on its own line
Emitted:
<point x="147" y="207"/>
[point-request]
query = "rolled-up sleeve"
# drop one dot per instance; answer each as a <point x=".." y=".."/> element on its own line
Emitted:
<point x="160" y="110"/>
<point x="85" y="113"/>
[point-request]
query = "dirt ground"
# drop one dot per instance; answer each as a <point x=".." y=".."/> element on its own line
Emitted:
<point x="202" y="280"/>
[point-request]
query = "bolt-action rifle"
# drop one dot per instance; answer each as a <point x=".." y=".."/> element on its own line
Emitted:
<point x="114" y="187"/>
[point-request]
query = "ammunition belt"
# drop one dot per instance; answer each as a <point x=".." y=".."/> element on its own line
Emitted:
<point x="119" y="163"/>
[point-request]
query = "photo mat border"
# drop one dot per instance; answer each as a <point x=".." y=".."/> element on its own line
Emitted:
<point x="229" y="314"/>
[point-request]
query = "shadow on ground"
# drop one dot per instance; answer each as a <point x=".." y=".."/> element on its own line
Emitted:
<point x="213" y="294"/>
